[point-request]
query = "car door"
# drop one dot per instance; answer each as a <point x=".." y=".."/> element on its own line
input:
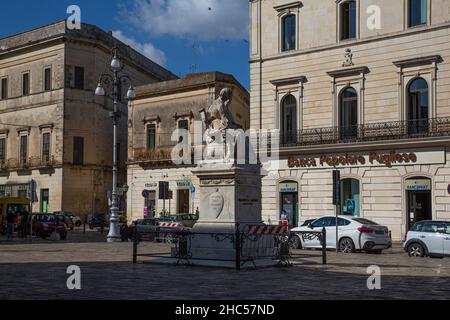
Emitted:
<point x="330" y="226"/>
<point x="433" y="237"/>
<point x="310" y="241"/>
<point x="447" y="239"/>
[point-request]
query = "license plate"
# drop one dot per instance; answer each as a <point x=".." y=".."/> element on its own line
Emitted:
<point x="379" y="232"/>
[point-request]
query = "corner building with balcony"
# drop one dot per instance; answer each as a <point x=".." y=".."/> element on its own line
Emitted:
<point x="158" y="111"/>
<point x="53" y="130"/>
<point x="361" y="86"/>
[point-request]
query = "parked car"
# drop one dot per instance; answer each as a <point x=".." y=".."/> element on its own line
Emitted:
<point x="307" y="222"/>
<point x="147" y="226"/>
<point x="186" y="219"/>
<point x="76" y="220"/>
<point x="45" y="224"/>
<point x="355" y="234"/>
<point x="66" y="219"/>
<point x="428" y="238"/>
<point x="97" y="220"/>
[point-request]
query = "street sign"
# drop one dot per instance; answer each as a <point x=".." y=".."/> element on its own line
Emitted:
<point x="193" y="189"/>
<point x="448" y="189"/>
<point x="146" y="193"/>
<point x="336" y="187"/>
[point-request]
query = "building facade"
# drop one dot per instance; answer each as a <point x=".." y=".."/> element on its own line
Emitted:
<point x="53" y="130"/>
<point x="154" y="117"/>
<point x="360" y="86"/>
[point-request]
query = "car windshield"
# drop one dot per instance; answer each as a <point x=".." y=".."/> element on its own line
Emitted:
<point x="365" y="221"/>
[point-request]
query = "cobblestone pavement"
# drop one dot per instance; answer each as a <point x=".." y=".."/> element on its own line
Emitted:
<point x="38" y="271"/>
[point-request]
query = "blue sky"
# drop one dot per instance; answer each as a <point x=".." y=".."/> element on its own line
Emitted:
<point x="183" y="35"/>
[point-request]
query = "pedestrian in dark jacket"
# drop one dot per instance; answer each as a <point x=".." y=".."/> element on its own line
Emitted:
<point x="24" y="223"/>
<point x="10" y="217"/>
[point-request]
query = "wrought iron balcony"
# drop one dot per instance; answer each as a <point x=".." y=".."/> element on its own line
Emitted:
<point x="30" y="163"/>
<point x="157" y="156"/>
<point x="382" y="131"/>
<point x="41" y="162"/>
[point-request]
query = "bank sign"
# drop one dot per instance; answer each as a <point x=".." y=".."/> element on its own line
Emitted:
<point x="369" y="159"/>
<point x="418" y="185"/>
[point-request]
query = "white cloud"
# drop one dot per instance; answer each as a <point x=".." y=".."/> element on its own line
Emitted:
<point x="203" y="19"/>
<point x="147" y="49"/>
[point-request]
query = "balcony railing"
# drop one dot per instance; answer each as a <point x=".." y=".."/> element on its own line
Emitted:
<point x="29" y="163"/>
<point x="384" y="131"/>
<point x="156" y="155"/>
<point x="160" y="155"/>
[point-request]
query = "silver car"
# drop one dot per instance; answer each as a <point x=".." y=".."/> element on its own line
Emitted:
<point x="428" y="238"/>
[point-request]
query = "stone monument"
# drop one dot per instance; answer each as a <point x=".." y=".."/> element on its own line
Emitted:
<point x="230" y="191"/>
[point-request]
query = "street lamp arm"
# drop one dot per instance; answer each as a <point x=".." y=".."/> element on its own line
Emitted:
<point x="106" y="78"/>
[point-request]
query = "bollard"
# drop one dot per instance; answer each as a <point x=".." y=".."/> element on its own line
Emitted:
<point x="324" y="246"/>
<point x="135" y="244"/>
<point x="238" y="248"/>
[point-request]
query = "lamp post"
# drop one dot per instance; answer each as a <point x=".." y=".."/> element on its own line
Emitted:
<point x="116" y="79"/>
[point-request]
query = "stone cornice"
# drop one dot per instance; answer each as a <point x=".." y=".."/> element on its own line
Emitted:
<point x="296" y="4"/>
<point x="348" y="72"/>
<point x="286" y="81"/>
<point x="417" y="61"/>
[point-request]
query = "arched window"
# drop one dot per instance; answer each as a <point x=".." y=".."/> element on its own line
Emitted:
<point x="289" y="119"/>
<point x="348" y="113"/>
<point x="350" y="197"/>
<point x="417" y="12"/>
<point x="418" y="102"/>
<point x="288" y="32"/>
<point x="348" y="20"/>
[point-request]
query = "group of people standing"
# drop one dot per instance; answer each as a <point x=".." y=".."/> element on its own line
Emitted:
<point x="22" y="217"/>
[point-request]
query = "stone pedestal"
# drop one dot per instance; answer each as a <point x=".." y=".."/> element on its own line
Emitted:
<point x="230" y="195"/>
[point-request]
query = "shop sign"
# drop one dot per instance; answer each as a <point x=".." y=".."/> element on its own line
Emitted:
<point x="418" y="185"/>
<point x="151" y="185"/>
<point x="288" y="187"/>
<point x="373" y="158"/>
<point x="184" y="183"/>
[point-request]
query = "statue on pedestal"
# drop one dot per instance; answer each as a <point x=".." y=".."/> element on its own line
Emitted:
<point x="219" y="122"/>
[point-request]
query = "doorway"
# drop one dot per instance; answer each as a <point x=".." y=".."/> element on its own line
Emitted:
<point x="183" y="201"/>
<point x="289" y="208"/>
<point x="419" y="203"/>
<point x="44" y="200"/>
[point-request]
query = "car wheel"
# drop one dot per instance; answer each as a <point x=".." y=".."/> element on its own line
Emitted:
<point x="169" y="238"/>
<point x="416" y="250"/>
<point x="346" y="245"/>
<point x="295" y="243"/>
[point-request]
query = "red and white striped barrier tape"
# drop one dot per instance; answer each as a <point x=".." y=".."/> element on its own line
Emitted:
<point x="169" y="224"/>
<point x="273" y="230"/>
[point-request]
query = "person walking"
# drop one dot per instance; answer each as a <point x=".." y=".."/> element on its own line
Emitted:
<point x="10" y="217"/>
<point x="24" y="223"/>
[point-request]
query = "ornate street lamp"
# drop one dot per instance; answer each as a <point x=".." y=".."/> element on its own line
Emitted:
<point x="116" y="79"/>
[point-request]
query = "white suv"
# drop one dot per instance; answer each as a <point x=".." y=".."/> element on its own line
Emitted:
<point x="354" y="234"/>
<point x="428" y="238"/>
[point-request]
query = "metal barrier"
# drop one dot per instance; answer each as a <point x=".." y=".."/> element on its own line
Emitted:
<point x="249" y="244"/>
<point x="310" y="235"/>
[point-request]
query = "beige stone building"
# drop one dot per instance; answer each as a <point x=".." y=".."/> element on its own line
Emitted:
<point x="154" y="116"/>
<point x="361" y="86"/>
<point x="53" y="130"/>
